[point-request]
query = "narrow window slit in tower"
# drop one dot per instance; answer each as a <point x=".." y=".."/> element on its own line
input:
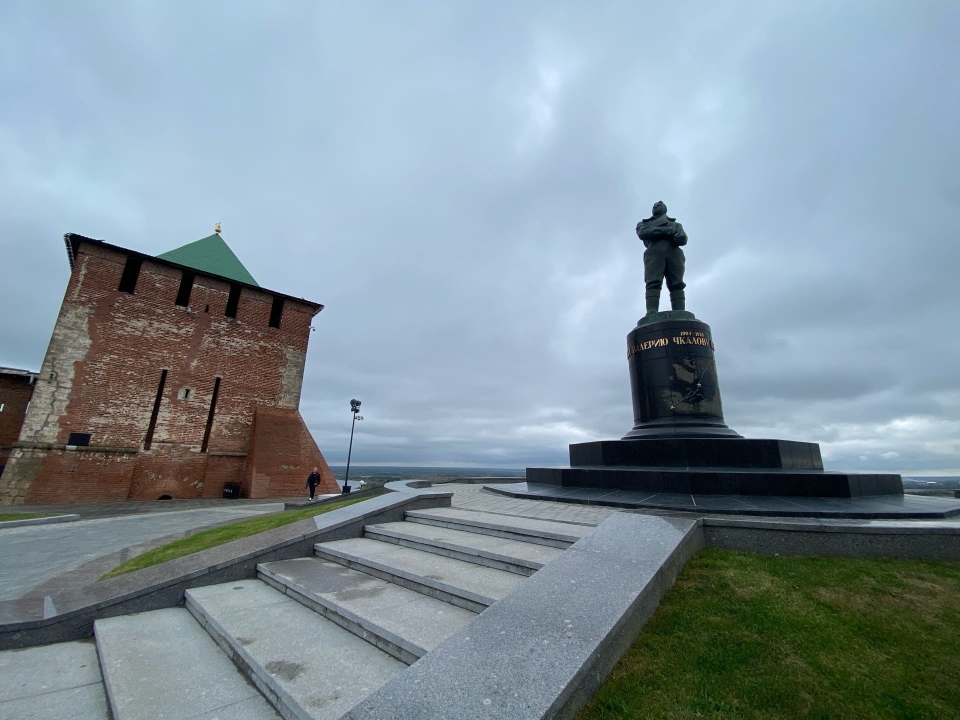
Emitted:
<point x="233" y="301"/>
<point x="276" y="312"/>
<point x="186" y="286"/>
<point x="131" y="271"/>
<point x="213" y="409"/>
<point x="156" y="411"/>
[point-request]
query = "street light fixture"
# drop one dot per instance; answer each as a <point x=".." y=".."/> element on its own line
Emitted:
<point x="354" y="408"/>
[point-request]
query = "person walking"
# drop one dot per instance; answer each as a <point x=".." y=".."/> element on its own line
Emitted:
<point x="312" y="481"/>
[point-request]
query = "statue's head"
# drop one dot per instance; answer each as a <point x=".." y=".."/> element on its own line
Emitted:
<point x="659" y="208"/>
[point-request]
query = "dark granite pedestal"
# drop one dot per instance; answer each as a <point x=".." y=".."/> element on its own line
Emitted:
<point x="680" y="447"/>
<point x="673" y="380"/>
<point x="711" y="466"/>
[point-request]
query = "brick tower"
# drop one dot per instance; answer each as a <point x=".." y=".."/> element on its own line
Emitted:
<point x="167" y="376"/>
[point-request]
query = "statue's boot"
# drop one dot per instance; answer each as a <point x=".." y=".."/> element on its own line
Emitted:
<point x="653" y="301"/>
<point x="678" y="300"/>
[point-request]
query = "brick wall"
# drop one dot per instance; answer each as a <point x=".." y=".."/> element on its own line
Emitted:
<point x="102" y="370"/>
<point x="79" y="476"/>
<point x="15" y="394"/>
<point x="282" y="455"/>
<point x="176" y="472"/>
<point x="220" y="471"/>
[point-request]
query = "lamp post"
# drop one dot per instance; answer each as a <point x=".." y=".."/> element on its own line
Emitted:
<point x="354" y="408"/>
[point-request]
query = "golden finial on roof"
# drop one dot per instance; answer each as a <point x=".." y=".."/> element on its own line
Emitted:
<point x="216" y="228"/>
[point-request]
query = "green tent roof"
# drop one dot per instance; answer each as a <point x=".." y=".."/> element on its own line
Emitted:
<point x="211" y="255"/>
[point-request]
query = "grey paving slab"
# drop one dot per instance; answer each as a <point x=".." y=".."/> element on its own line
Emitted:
<point x="392" y="617"/>
<point x="32" y="555"/>
<point x="453" y="580"/>
<point x="530" y="529"/>
<point x="772" y="503"/>
<point x="310" y="667"/>
<point x="559" y="491"/>
<point x="82" y="703"/>
<point x="52" y="681"/>
<point x="476" y="497"/>
<point x="503" y="553"/>
<point x="722" y="502"/>
<point x="163" y="664"/>
<point x="543" y="650"/>
<point x="627" y="497"/>
<point x="35" y="671"/>
<point x="575" y="493"/>
<point x="249" y="709"/>
<point x="671" y="499"/>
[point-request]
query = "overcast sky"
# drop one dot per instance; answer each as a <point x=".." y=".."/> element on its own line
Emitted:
<point x="458" y="182"/>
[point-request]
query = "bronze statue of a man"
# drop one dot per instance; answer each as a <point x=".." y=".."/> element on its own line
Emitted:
<point x="662" y="236"/>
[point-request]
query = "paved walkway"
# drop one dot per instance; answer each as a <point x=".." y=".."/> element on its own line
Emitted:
<point x="35" y="554"/>
<point x="473" y="497"/>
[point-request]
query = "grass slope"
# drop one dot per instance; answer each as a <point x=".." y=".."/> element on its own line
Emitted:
<point x="752" y="636"/>
<point x="226" y="533"/>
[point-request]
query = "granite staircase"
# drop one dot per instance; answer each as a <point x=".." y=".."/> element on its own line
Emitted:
<point x="309" y="638"/>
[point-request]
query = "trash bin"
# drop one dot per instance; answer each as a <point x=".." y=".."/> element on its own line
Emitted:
<point x="231" y="491"/>
<point x="346" y="490"/>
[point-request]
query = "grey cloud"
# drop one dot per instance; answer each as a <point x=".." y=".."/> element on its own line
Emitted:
<point x="458" y="183"/>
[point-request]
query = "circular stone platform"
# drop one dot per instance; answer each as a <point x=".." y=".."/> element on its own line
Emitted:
<point x="873" y="507"/>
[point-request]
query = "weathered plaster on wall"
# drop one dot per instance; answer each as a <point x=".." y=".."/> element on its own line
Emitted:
<point x="291" y="383"/>
<point x="68" y="345"/>
<point x="22" y="468"/>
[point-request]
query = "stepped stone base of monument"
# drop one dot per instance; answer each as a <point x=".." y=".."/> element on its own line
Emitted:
<point x="721" y="481"/>
<point x="735" y="452"/>
<point x="711" y="466"/>
<point x="738" y="476"/>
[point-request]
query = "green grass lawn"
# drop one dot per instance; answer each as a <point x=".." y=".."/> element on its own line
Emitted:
<point x="754" y="636"/>
<point x="226" y="533"/>
<point x="6" y="517"/>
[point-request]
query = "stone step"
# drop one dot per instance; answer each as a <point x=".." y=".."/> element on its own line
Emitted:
<point x="163" y="664"/>
<point x="522" y="558"/>
<point x="52" y="682"/>
<point x="460" y="583"/>
<point x="399" y="621"/>
<point x="533" y="530"/>
<point x="307" y="666"/>
<point x="543" y="651"/>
